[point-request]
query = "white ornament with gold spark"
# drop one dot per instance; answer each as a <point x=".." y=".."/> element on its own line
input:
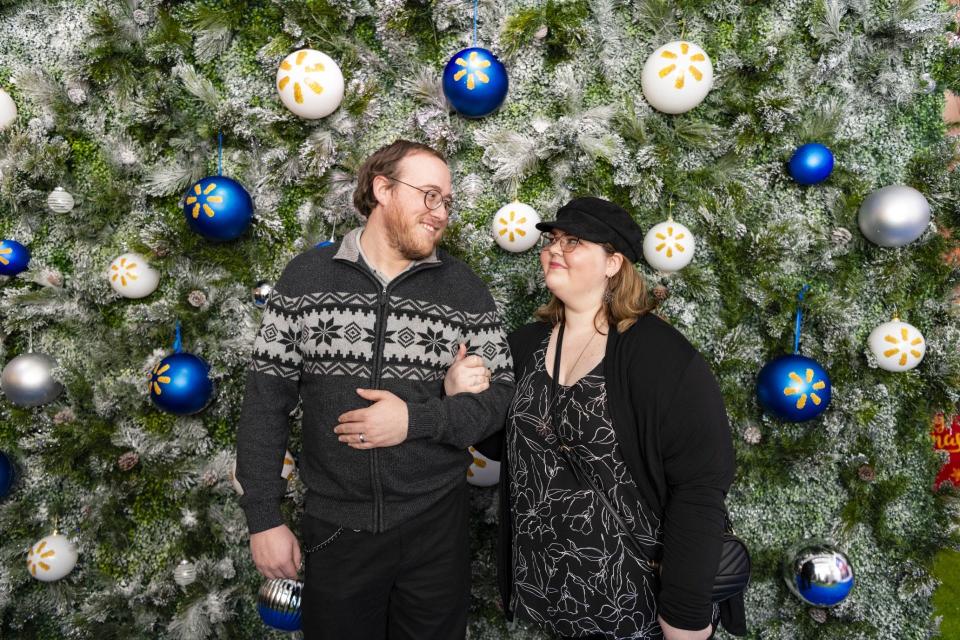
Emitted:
<point x="8" y="110"/>
<point x="483" y="472"/>
<point x="132" y="276"/>
<point x="310" y="84"/>
<point x="897" y="345"/>
<point x="51" y="558"/>
<point x="515" y="227"/>
<point x="677" y="77"/>
<point x="669" y="246"/>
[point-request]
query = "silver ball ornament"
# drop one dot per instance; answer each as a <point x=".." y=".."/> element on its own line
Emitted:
<point x="818" y="573"/>
<point x="894" y="216"/>
<point x="60" y="201"/>
<point x="261" y="292"/>
<point x="185" y="574"/>
<point x="279" y="603"/>
<point x="27" y="380"/>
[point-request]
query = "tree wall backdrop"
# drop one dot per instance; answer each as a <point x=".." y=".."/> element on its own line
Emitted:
<point x="121" y="103"/>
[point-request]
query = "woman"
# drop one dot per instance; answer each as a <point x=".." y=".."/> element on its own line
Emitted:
<point x="635" y="407"/>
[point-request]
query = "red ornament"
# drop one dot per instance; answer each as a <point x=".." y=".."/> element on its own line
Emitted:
<point x="947" y="439"/>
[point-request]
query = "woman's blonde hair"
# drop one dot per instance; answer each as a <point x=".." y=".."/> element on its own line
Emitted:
<point x="626" y="302"/>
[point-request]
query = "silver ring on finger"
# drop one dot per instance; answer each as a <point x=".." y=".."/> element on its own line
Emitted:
<point x="362" y="439"/>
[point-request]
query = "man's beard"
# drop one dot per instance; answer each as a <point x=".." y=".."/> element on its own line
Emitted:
<point x="404" y="237"/>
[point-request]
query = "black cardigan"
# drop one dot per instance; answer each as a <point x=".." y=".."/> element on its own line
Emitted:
<point x="670" y="421"/>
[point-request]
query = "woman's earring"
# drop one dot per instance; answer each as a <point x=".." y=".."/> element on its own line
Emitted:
<point x="607" y="294"/>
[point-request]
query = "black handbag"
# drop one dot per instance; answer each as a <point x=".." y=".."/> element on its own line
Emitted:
<point x="733" y="571"/>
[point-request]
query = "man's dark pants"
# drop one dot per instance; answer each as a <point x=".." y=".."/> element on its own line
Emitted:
<point x="409" y="583"/>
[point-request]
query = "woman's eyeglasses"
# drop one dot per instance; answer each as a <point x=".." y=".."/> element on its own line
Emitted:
<point x="432" y="199"/>
<point x="567" y="243"/>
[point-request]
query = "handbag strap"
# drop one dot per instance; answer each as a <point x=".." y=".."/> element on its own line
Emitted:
<point x="582" y="475"/>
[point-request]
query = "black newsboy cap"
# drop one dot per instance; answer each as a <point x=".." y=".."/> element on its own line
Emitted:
<point x="599" y="220"/>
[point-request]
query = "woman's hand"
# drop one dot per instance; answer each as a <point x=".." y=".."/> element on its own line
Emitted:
<point x="467" y="374"/>
<point x="672" y="633"/>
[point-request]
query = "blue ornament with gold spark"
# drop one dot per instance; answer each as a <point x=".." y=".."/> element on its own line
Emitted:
<point x="14" y="258"/>
<point x="217" y="207"/>
<point x="181" y="383"/>
<point x="7" y="475"/>
<point x="475" y="82"/>
<point x="793" y="387"/>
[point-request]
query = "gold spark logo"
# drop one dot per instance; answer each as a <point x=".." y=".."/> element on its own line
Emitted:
<point x="313" y="85"/>
<point x="472" y="69"/>
<point x="681" y="64"/>
<point x="195" y="200"/>
<point x="157" y="378"/>
<point x="123" y="271"/>
<point x="5" y="251"/>
<point x="37" y="557"/>
<point x="512" y="222"/>
<point x="669" y="242"/>
<point x="903" y="345"/>
<point x="800" y="384"/>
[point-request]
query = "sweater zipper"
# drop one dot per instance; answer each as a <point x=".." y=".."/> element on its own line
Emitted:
<point x="375" y="383"/>
<point x="383" y="296"/>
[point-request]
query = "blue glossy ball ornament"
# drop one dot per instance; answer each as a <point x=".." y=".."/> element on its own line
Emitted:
<point x="218" y="208"/>
<point x="278" y="603"/>
<point x="181" y="384"/>
<point x="475" y="82"/>
<point x="794" y="388"/>
<point x="811" y="163"/>
<point x="14" y="258"/>
<point x="818" y="573"/>
<point x="7" y="475"/>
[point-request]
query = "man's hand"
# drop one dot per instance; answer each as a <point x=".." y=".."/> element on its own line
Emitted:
<point x="672" y="633"/>
<point x="276" y="552"/>
<point x="382" y="424"/>
<point x="467" y="374"/>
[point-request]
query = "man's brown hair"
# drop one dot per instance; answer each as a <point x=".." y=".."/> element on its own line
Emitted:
<point x="385" y="161"/>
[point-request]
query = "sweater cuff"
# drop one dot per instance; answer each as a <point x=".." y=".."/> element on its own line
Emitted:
<point x="263" y="515"/>
<point x="683" y="617"/>
<point x="423" y="420"/>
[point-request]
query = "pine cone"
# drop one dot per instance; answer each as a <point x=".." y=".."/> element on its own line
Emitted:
<point x="64" y="416"/>
<point x="819" y="615"/>
<point x="197" y="298"/>
<point x="841" y="236"/>
<point x="52" y="277"/>
<point x="661" y="293"/>
<point x="128" y="460"/>
<point x="867" y="473"/>
<point x="752" y="435"/>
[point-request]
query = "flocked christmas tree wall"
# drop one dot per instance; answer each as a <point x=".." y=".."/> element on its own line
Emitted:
<point x="120" y="104"/>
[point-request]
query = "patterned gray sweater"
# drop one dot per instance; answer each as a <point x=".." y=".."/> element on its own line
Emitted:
<point x="330" y="327"/>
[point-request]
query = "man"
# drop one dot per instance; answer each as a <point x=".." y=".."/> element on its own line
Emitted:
<point x="362" y="333"/>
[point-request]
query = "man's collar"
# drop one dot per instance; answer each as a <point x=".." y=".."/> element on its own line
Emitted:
<point x="350" y="249"/>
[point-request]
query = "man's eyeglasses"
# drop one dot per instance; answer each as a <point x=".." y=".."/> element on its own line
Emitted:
<point x="566" y="243"/>
<point x="432" y="199"/>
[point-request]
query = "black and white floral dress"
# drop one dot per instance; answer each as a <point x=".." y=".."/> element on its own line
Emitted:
<point x="574" y="573"/>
